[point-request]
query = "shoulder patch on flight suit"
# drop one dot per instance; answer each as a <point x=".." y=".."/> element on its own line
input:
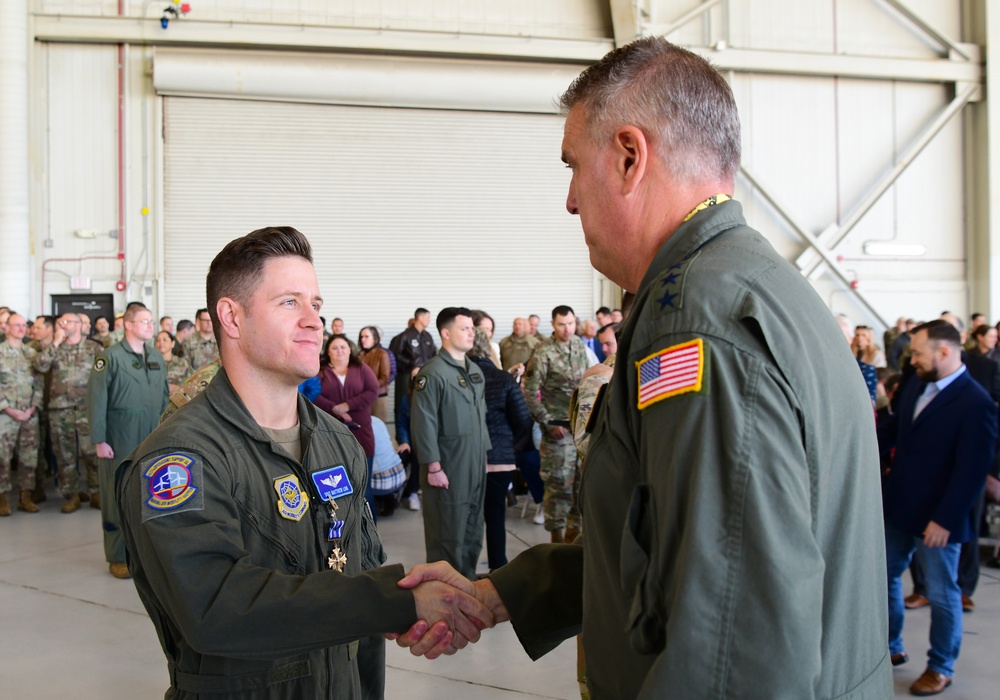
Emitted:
<point x="669" y="294"/>
<point x="173" y="485"/>
<point x="420" y="383"/>
<point x="678" y="369"/>
<point x="100" y="364"/>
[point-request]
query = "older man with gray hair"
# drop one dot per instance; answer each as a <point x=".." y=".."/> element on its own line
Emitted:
<point x="732" y="537"/>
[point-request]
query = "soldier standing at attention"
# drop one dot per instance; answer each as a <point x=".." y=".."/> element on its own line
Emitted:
<point x="201" y="347"/>
<point x="68" y="361"/>
<point x="448" y="425"/>
<point x="554" y="371"/>
<point x="20" y="398"/>
<point x="126" y="394"/>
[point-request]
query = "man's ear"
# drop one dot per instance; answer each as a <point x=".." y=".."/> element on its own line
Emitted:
<point x="231" y="316"/>
<point x="631" y="156"/>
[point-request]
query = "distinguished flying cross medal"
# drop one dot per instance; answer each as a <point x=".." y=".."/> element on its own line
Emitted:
<point x="337" y="558"/>
<point x="331" y="484"/>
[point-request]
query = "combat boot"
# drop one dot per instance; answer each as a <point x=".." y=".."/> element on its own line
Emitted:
<point x="119" y="569"/>
<point x="95" y="501"/>
<point x="38" y="495"/>
<point x="571" y="534"/>
<point x="26" y="504"/>
<point x="84" y="497"/>
<point x="4" y="506"/>
<point x="557" y="536"/>
<point x="72" y="503"/>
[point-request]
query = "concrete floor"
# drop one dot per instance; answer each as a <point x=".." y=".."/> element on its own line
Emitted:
<point x="71" y="630"/>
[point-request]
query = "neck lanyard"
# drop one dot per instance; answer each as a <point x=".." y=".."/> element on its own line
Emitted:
<point x="710" y="202"/>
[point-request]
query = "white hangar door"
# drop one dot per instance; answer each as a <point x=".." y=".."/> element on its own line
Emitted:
<point x="404" y="207"/>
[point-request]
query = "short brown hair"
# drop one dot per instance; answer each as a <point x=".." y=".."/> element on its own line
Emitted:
<point x="237" y="269"/>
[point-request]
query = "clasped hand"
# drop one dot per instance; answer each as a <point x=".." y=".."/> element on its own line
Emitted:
<point x="452" y="610"/>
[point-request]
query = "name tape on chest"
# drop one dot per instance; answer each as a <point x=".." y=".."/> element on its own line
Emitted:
<point x="332" y="483"/>
<point x="679" y="369"/>
<point x="173" y="483"/>
<point x="293" y="502"/>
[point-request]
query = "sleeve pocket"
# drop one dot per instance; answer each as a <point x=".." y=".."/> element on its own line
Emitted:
<point x="646" y="620"/>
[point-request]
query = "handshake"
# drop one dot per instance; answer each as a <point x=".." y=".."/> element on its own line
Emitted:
<point x="451" y="610"/>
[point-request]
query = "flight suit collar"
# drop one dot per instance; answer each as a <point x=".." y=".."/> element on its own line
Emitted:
<point x="692" y="235"/>
<point x="228" y="404"/>
<point x="446" y="356"/>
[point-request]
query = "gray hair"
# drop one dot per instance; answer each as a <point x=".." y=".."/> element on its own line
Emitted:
<point x="681" y="103"/>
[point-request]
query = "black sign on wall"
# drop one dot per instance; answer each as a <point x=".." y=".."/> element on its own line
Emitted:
<point x="92" y="305"/>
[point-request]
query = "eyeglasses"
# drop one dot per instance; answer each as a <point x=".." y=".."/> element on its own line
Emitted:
<point x="143" y="321"/>
<point x="67" y="322"/>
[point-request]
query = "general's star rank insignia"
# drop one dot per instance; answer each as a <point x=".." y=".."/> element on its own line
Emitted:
<point x="669" y="293"/>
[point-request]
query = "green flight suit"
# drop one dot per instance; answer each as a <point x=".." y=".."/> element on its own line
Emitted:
<point x="733" y="540"/>
<point x="448" y="425"/>
<point x="126" y="394"/>
<point x="240" y="591"/>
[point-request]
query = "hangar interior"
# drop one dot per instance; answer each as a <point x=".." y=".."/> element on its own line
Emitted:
<point x="417" y="143"/>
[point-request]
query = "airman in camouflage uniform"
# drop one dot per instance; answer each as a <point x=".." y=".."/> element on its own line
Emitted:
<point x="192" y="386"/>
<point x="68" y="361"/>
<point x="201" y="348"/>
<point x="554" y="371"/>
<point x="20" y="398"/>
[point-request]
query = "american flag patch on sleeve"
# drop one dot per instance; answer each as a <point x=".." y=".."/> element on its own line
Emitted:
<point x="679" y="369"/>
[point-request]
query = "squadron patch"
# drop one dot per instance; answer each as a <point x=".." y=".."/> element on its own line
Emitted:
<point x="293" y="502"/>
<point x="476" y="378"/>
<point x="100" y="364"/>
<point x="679" y="369"/>
<point x="420" y="383"/>
<point x="332" y="483"/>
<point x="172" y="482"/>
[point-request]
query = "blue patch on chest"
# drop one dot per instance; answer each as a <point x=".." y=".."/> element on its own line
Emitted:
<point x="332" y="483"/>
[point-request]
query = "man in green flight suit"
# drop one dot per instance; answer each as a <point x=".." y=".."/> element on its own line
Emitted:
<point x="249" y="538"/>
<point x="448" y="425"/>
<point x="126" y="394"/>
<point x="733" y="540"/>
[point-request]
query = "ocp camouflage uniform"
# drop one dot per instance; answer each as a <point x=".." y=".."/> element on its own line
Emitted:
<point x="20" y="388"/>
<point x="68" y="367"/>
<point x="178" y="369"/>
<point x="554" y="371"/>
<point x="582" y="405"/>
<point x="199" y="352"/>
<point x="112" y="338"/>
<point x="192" y="386"/>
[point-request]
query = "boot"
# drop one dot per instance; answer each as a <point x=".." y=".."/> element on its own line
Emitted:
<point x="571" y="534"/>
<point x="72" y="503"/>
<point x="84" y="497"/>
<point x="4" y="507"/>
<point x="38" y="495"/>
<point x="26" y="504"/>
<point x="95" y="501"/>
<point x="119" y="569"/>
<point x="557" y="536"/>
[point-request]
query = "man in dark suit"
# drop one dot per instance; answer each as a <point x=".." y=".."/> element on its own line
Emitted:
<point x="944" y="435"/>
<point x="987" y="373"/>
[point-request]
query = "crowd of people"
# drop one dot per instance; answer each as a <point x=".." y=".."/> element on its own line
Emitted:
<point x="52" y="363"/>
<point x="729" y="475"/>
